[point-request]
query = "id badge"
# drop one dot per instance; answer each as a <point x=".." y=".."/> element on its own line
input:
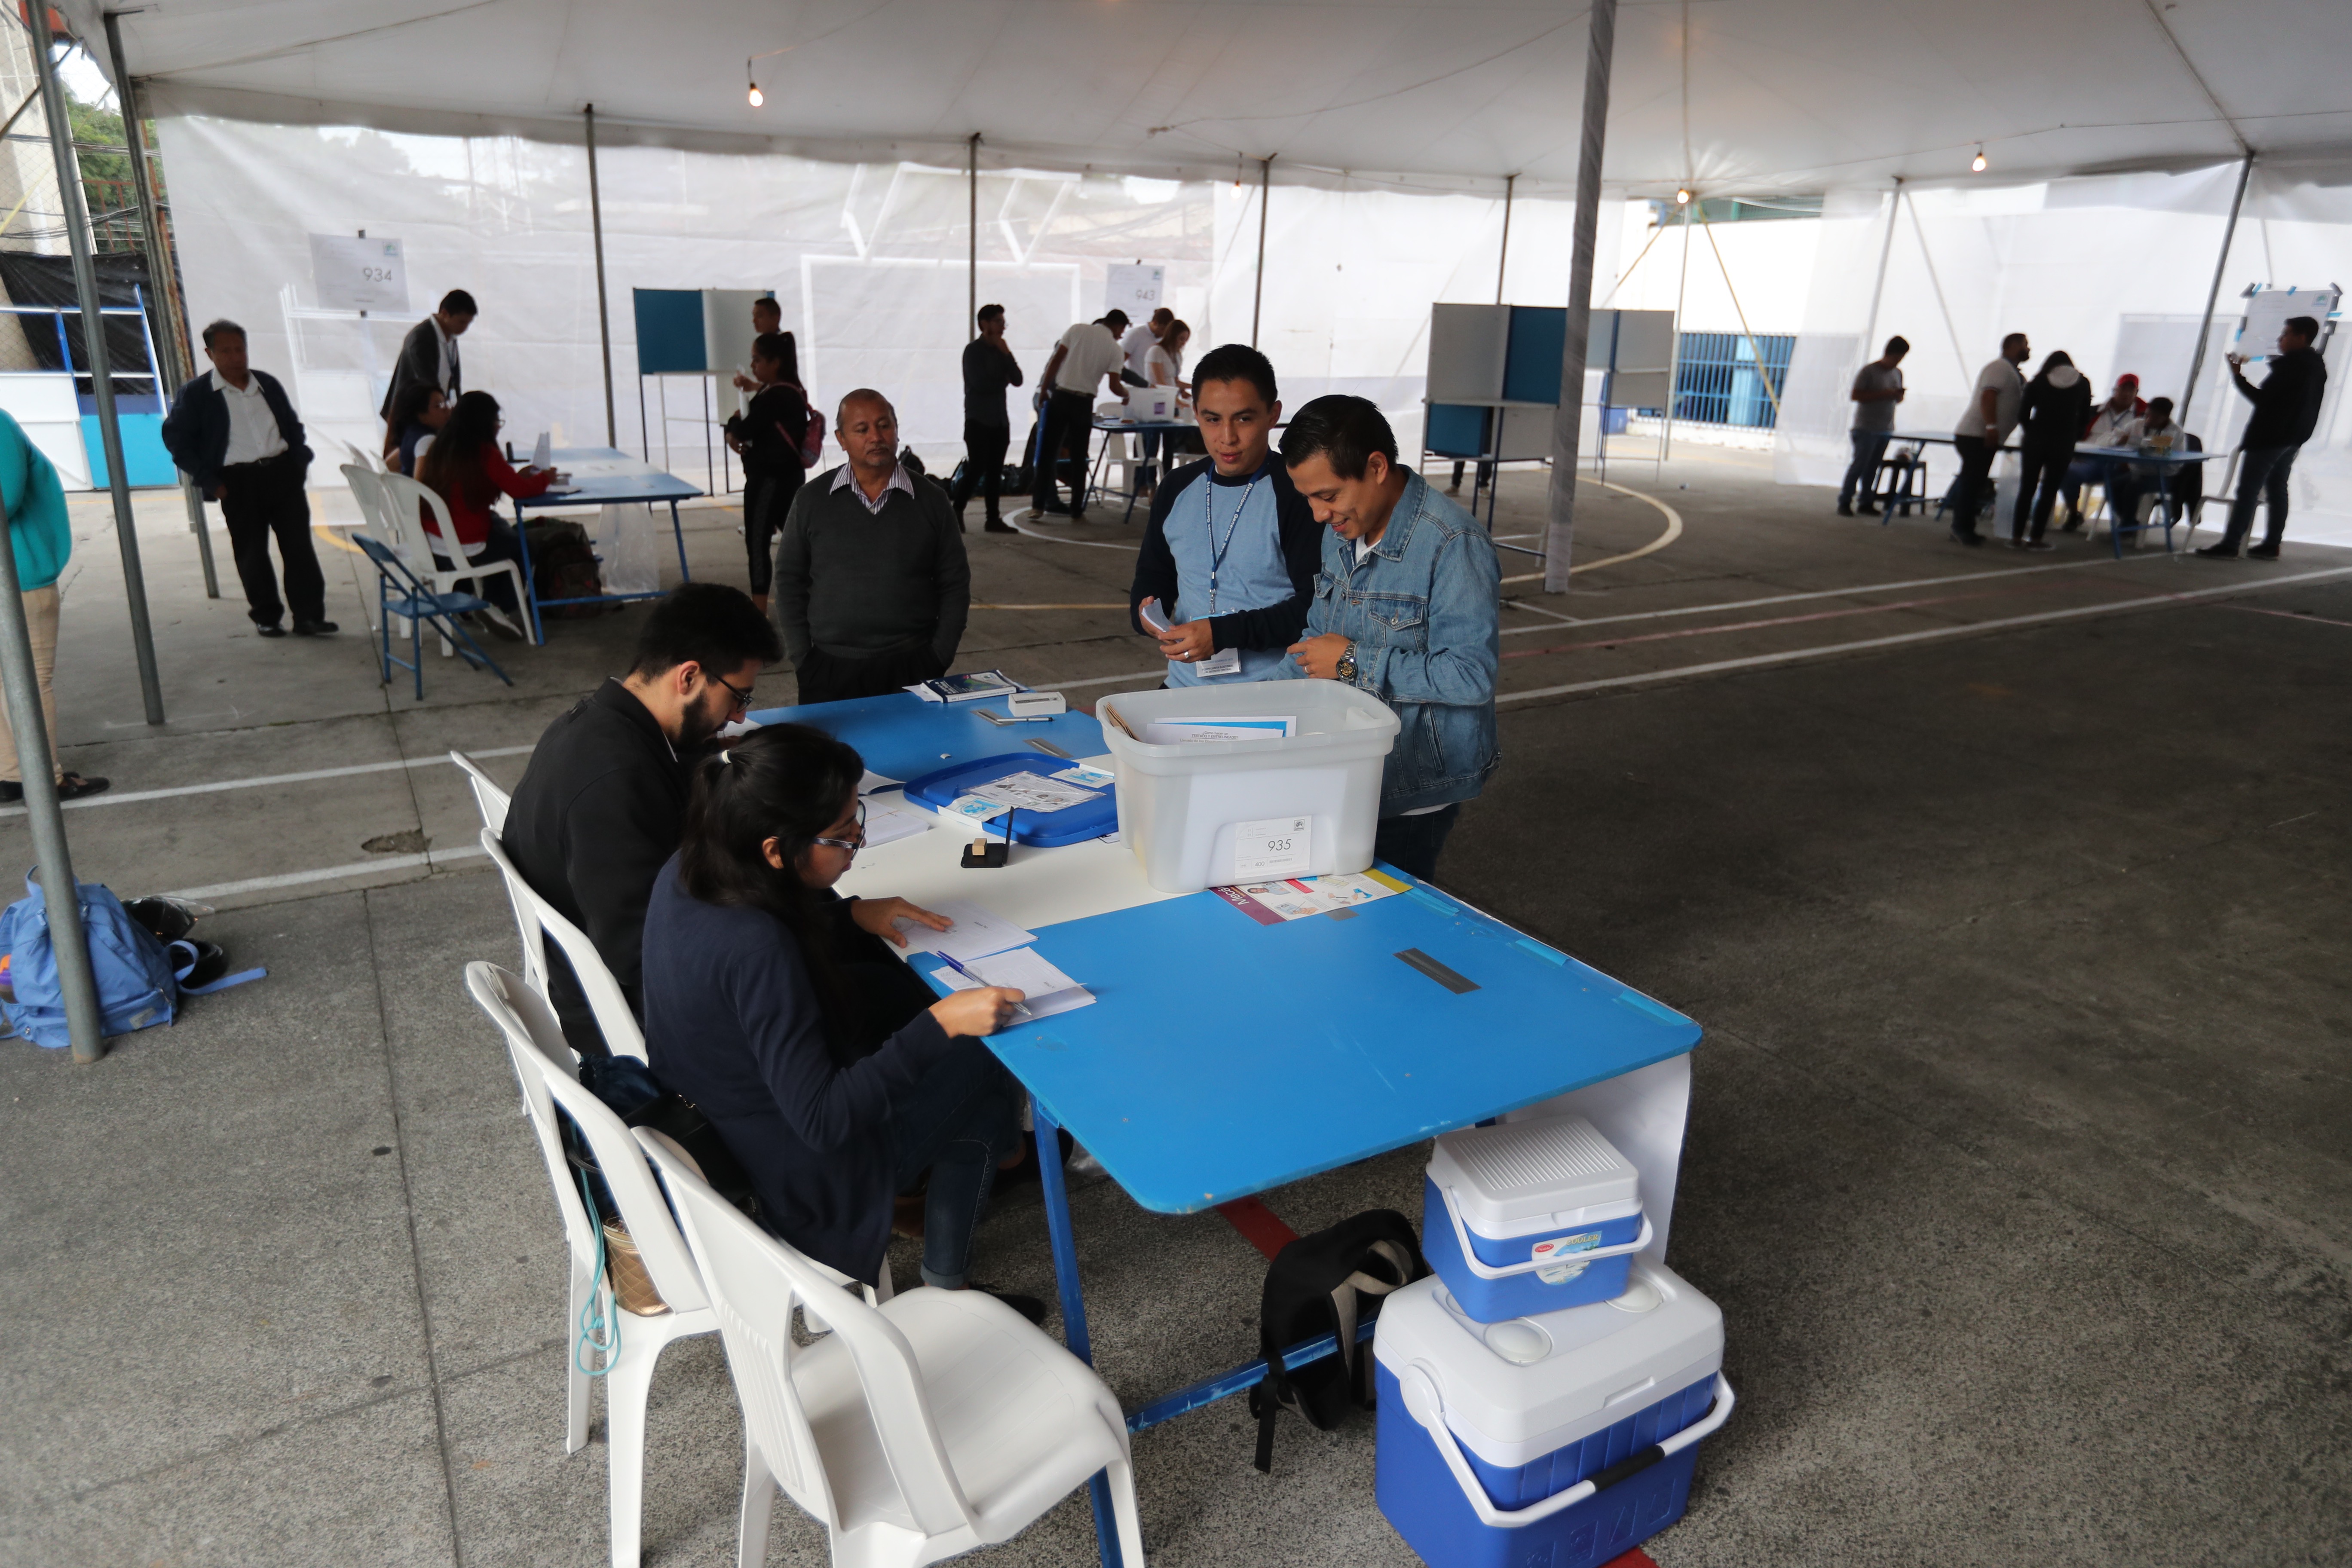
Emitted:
<point x="1224" y="661"/>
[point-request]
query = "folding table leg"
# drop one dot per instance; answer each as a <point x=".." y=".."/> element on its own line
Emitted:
<point x="1074" y="1306"/>
<point x="530" y="583"/>
<point x="677" y="531"/>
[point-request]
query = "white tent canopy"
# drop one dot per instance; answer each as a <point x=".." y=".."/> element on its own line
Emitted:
<point x="1749" y="96"/>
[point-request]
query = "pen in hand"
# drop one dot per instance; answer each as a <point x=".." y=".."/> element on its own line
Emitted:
<point x="1019" y="1011"/>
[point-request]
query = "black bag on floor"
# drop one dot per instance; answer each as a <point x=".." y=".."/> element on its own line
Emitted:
<point x="1326" y="1284"/>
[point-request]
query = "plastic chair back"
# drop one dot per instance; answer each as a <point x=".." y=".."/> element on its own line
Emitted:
<point x="754" y="1281"/>
<point x="488" y="798"/>
<point x="366" y="492"/>
<point x="533" y="1037"/>
<point x="604" y="997"/>
<point x="410" y="502"/>
<point x="526" y="911"/>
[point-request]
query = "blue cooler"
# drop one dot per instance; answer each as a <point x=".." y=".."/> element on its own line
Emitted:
<point x="1527" y="1218"/>
<point x="1563" y="1440"/>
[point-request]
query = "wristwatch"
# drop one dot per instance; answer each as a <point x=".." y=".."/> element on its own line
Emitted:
<point x="1347" y="669"/>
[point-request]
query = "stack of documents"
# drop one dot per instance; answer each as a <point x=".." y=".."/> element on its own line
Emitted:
<point x="966" y="688"/>
<point x="1271" y="903"/>
<point x="994" y="952"/>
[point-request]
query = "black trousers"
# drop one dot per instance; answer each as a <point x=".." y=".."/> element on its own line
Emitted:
<point x="1069" y="428"/>
<point x="983" y="467"/>
<point x="1968" y="490"/>
<point x="2261" y="476"/>
<point x="837" y="677"/>
<point x="767" y="498"/>
<point x="501" y="545"/>
<point x="259" y="500"/>
<point x="2041" y="475"/>
<point x="1412" y="843"/>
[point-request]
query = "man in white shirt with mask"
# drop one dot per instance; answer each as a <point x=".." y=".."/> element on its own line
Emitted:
<point x="1991" y="414"/>
<point x="1087" y="356"/>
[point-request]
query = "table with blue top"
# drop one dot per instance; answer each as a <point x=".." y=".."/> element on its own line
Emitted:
<point x="2165" y="514"/>
<point x="600" y="475"/>
<point x="1341" y="1036"/>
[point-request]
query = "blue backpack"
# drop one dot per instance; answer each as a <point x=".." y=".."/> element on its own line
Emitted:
<point x="138" y="976"/>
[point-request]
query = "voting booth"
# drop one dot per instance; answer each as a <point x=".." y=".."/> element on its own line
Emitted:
<point x="1494" y="376"/>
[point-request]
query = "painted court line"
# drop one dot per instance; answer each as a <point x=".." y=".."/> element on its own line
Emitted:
<point x="431" y="858"/>
<point x="127" y="796"/>
<point x="1757" y="661"/>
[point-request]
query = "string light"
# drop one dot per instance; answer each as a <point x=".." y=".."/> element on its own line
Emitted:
<point x="1977" y="163"/>
<point x="1681" y="198"/>
<point x="754" y="94"/>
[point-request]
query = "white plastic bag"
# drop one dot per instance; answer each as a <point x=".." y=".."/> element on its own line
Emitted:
<point x="629" y="539"/>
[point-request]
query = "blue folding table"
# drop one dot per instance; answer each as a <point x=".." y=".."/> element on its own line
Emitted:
<point x="602" y="475"/>
<point x="1397" y="1020"/>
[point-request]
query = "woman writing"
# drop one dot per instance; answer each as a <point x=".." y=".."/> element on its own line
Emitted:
<point x="768" y="436"/>
<point x="462" y="466"/>
<point x="770" y="1003"/>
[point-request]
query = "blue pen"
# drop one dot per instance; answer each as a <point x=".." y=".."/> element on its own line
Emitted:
<point x="976" y="979"/>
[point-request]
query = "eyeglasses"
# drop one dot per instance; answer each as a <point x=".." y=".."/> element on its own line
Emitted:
<point x="852" y="844"/>
<point x="743" y="703"/>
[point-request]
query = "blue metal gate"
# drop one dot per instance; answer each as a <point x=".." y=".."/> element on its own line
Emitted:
<point x="1718" y="382"/>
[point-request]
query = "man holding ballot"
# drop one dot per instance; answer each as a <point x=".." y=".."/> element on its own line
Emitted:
<point x="1230" y="552"/>
<point x="1406" y="608"/>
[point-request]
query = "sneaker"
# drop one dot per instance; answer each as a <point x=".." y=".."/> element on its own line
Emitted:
<point x="316" y="628"/>
<point x="1082" y="1169"/>
<point x="2260" y="552"/>
<point x="73" y="786"/>
<point x="2219" y="552"/>
<point x="272" y="630"/>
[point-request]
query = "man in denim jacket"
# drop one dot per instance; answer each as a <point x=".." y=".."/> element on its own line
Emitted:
<point x="1406" y="608"/>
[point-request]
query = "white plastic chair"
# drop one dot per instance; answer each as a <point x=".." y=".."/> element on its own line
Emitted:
<point x="605" y="1000"/>
<point x="935" y="1423"/>
<point x="488" y="798"/>
<point x="549" y="1072"/>
<point x="406" y="503"/>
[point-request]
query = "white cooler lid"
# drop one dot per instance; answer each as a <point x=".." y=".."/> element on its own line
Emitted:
<point x="1516" y="1391"/>
<point x="1519" y="1177"/>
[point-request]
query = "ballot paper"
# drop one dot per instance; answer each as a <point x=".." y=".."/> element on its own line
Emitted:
<point x="1044" y="990"/>
<point x="976" y="933"/>
<point x="885" y="824"/>
<point x="1271" y="903"/>
<point x="1177" y="731"/>
<point x="1086" y="777"/>
<point x="1033" y="792"/>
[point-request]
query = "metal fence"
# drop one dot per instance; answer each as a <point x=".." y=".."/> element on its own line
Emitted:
<point x="1719" y="383"/>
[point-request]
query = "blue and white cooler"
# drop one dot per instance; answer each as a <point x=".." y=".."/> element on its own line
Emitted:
<point x="1562" y="1440"/>
<point x="1527" y="1217"/>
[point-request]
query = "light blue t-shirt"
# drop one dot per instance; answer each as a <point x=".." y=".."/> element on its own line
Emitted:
<point x="1229" y="529"/>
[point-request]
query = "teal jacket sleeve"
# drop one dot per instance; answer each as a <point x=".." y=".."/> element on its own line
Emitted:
<point x="39" y="531"/>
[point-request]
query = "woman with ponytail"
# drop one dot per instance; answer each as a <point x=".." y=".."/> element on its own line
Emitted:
<point x="831" y="1073"/>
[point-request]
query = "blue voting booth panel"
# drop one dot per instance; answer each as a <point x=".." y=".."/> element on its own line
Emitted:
<point x="1456" y="430"/>
<point x="143" y="457"/>
<point x="1412" y="1016"/>
<point x="1531" y="361"/>
<point x="670" y="331"/>
<point x="904" y="737"/>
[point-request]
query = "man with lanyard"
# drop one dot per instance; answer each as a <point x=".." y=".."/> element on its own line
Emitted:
<point x="1230" y="553"/>
<point x="1405" y="609"/>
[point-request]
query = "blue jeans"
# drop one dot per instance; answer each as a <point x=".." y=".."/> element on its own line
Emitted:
<point x="961" y="1120"/>
<point x="1411" y="844"/>
<point x="2261" y="475"/>
<point x="1869" y="447"/>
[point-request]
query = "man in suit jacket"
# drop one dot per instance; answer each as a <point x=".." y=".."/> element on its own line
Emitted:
<point x="428" y="355"/>
<point x="233" y="431"/>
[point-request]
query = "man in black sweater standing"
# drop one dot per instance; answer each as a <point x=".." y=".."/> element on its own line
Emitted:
<point x="233" y="431"/>
<point x="429" y="354"/>
<point x="872" y="587"/>
<point x="603" y="804"/>
<point x="989" y="368"/>
<point x="2287" y="411"/>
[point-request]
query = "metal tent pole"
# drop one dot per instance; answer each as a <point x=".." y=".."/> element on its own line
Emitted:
<point x="1675" y="352"/>
<point x="1878" y="287"/>
<point x="101" y="374"/>
<point x="971" y="272"/>
<point x="1503" y="255"/>
<point x="604" y="314"/>
<point x="1258" y="289"/>
<point x="30" y="726"/>
<point x="159" y="274"/>
<point x="1566" y="424"/>
<point x="2213" y="295"/>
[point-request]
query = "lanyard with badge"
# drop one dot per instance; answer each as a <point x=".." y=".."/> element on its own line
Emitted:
<point x="1224" y="661"/>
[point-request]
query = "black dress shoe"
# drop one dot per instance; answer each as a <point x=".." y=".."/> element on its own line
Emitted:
<point x="1973" y="540"/>
<point x="11" y="791"/>
<point x="2263" y="552"/>
<point x="998" y="525"/>
<point x="1866" y="511"/>
<point x="2219" y="552"/>
<point x="73" y="786"/>
<point x="316" y="628"/>
<point x="272" y="630"/>
<point x="1845" y="510"/>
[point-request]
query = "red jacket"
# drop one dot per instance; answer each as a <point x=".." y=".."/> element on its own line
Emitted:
<point x="474" y="521"/>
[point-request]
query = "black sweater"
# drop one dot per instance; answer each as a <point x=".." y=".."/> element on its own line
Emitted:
<point x="600" y="806"/>
<point x="771" y="430"/>
<point x="2054" y="416"/>
<point x="1275" y="626"/>
<point x="859" y="582"/>
<point x="987" y="372"/>
<point x="733" y="1024"/>
<point x="2286" y="404"/>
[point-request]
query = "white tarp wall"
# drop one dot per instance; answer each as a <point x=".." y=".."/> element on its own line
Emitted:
<point x="868" y="260"/>
<point x="2111" y="268"/>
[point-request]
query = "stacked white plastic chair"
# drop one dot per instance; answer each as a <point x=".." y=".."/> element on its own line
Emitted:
<point x="405" y="505"/>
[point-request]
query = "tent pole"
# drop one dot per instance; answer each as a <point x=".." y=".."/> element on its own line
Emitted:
<point x="971" y="196"/>
<point x="1878" y="288"/>
<point x="1567" y="420"/>
<point x="2213" y="294"/>
<point x="166" y="365"/>
<point x="603" y="312"/>
<point x="1258" y="289"/>
<point x="101" y="374"/>
<point x="1503" y="257"/>
<point x="30" y="726"/>
<point x="1675" y="356"/>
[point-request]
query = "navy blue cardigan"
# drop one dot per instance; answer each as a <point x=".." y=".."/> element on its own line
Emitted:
<point x="195" y="432"/>
<point x="1275" y="626"/>
<point x="732" y="1023"/>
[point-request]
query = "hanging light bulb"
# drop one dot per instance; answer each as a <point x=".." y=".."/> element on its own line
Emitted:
<point x="1977" y="163"/>
<point x="1681" y="198"/>
<point x="758" y="97"/>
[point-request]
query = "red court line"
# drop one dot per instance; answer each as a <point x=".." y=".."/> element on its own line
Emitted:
<point x="1259" y="1225"/>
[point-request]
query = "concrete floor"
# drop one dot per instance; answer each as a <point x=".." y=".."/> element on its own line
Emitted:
<point x="2018" y="1163"/>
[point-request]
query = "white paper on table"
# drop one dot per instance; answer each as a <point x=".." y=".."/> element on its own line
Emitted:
<point x="887" y="824"/>
<point x="1034" y="792"/>
<point x="874" y="781"/>
<point x="1086" y="777"/>
<point x="1044" y="989"/>
<point x="542" y="453"/>
<point x="976" y="933"/>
